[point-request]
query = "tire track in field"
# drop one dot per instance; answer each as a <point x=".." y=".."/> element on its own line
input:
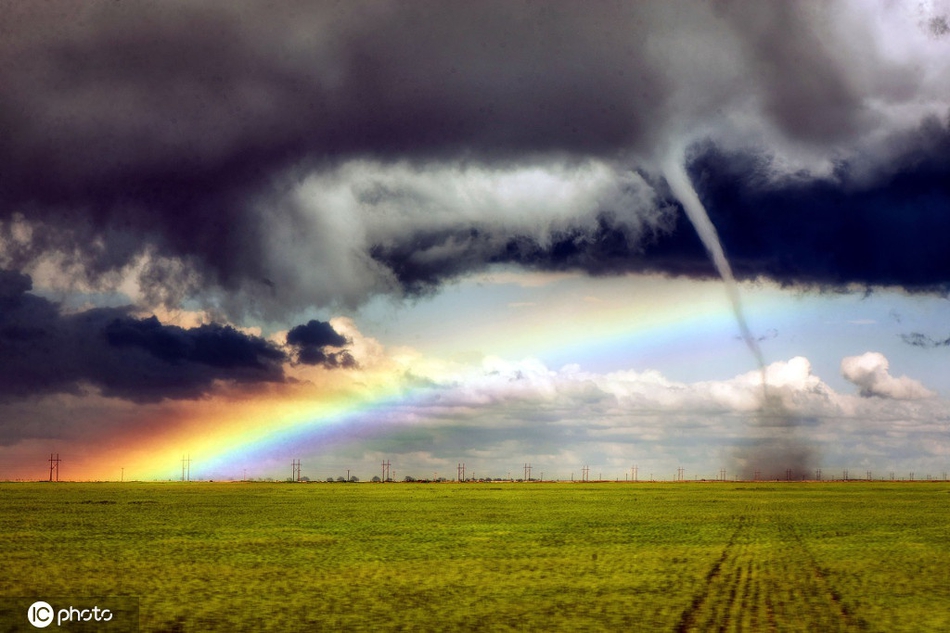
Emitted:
<point x="766" y="579"/>
<point x="688" y="620"/>
<point x="853" y="621"/>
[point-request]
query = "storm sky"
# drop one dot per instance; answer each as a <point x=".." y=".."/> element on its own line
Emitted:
<point x="461" y="209"/>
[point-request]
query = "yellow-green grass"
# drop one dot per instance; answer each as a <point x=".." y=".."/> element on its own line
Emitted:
<point x="489" y="557"/>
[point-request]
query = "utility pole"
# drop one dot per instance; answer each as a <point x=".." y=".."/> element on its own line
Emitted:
<point x="186" y="468"/>
<point x="527" y="471"/>
<point x="295" y="465"/>
<point x="585" y="473"/>
<point x="54" y="466"/>
<point x="633" y="472"/>
<point x="679" y="473"/>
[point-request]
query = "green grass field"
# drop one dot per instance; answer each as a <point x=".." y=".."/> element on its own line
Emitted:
<point x="490" y="557"/>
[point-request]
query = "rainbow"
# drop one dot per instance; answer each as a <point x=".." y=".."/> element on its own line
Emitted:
<point x="263" y="434"/>
<point x="256" y="436"/>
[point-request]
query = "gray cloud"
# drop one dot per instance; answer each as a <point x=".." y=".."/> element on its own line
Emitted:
<point x="314" y="341"/>
<point x="175" y="137"/>
<point x="918" y="339"/>
<point x="46" y="351"/>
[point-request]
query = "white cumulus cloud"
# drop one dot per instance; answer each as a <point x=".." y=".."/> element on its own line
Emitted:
<point x="869" y="371"/>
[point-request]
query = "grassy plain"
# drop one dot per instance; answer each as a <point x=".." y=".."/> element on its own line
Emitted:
<point x="490" y="557"/>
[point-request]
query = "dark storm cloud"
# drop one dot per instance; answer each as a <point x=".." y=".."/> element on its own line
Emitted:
<point x="45" y="351"/>
<point x="797" y="230"/>
<point x="178" y="132"/>
<point x="311" y="340"/>
<point x="604" y="250"/>
<point x="315" y="334"/>
<point x="166" y="122"/>
<point x="832" y="232"/>
<point x="175" y="94"/>
<point x="212" y="344"/>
